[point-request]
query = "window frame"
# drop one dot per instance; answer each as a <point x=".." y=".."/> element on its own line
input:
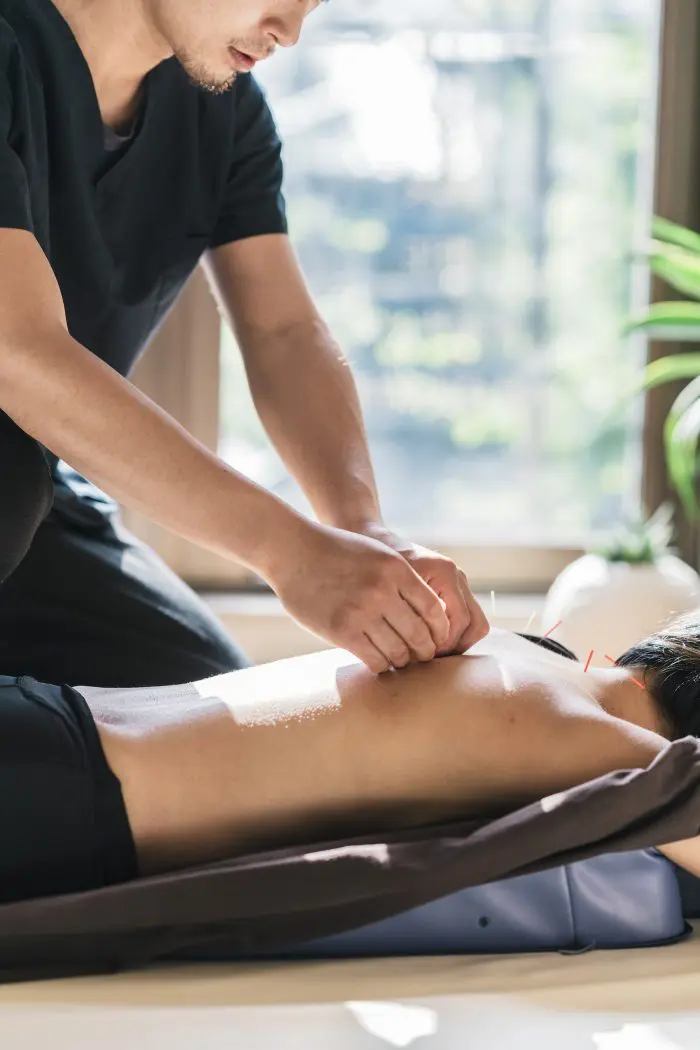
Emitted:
<point x="181" y="368"/>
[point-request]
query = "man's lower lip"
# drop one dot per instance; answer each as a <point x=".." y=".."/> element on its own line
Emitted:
<point x="242" y="61"/>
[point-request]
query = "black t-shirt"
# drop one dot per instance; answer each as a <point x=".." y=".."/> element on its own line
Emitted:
<point x="123" y="232"/>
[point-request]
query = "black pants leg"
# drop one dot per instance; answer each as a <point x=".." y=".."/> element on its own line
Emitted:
<point x="89" y="604"/>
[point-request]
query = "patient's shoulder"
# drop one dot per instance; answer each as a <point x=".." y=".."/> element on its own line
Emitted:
<point x="636" y="747"/>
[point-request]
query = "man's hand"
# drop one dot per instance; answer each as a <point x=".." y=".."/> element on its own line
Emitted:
<point x="357" y="593"/>
<point x="468" y="623"/>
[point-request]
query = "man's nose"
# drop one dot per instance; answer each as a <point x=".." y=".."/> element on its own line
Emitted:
<point x="287" y="30"/>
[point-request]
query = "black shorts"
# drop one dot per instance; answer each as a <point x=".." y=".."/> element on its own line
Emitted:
<point x="63" y="823"/>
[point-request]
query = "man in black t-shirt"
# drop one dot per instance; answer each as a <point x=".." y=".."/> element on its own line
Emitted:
<point x="133" y="143"/>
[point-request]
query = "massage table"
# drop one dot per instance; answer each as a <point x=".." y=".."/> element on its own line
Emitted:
<point x="576" y="872"/>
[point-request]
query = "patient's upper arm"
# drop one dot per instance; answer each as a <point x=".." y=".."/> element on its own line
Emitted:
<point x="638" y="747"/>
<point x="644" y="746"/>
<point x="685" y="854"/>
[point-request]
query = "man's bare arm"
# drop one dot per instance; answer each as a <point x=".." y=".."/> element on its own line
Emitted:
<point x="82" y="410"/>
<point x="303" y="389"/>
<point x="361" y="596"/>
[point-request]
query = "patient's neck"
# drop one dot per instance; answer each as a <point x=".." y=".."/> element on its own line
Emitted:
<point x="620" y="696"/>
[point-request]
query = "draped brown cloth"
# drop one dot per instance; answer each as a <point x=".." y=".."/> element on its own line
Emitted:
<point x="275" y="899"/>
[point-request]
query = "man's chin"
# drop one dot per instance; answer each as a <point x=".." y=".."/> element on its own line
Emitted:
<point x="217" y="87"/>
<point x="212" y="81"/>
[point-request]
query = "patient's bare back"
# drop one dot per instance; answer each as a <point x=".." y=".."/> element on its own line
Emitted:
<point x="318" y="747"/>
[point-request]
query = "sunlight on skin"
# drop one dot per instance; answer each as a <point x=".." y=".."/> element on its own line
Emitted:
<point x="270" y="695"/>
<point x="506" y="677"/>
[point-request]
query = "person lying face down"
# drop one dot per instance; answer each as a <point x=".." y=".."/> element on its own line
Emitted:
<point x="120" y="783"/>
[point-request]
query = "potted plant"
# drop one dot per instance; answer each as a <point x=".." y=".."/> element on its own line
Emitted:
<point x="674" y="256"/>
<point x="618" y="593"/>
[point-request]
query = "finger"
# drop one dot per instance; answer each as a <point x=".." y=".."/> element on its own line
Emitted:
<point x="458" y="611"/>
<point x="389" y="643"/>
<point x="474" y="633"/>
<point x="412" y="630"/>
<point x="371" y="657"/>
<point x="425" y="602"/>
<point x="479" y="625"/>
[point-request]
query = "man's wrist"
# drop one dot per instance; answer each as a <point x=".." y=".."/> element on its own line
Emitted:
<point x="361" y="525"/>
<point x="246" y="522"/>
<point x="281" y="538"/>
<point x="376" y="529"/>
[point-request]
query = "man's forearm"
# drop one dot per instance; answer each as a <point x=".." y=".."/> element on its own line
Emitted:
<point x="307" y="400"/>
<point x="84" y="412"/>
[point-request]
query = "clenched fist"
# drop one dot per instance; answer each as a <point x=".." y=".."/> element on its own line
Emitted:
<point x="360" y="595"/>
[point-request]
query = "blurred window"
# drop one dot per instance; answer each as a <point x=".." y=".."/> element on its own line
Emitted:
<point x="466" y="183"/>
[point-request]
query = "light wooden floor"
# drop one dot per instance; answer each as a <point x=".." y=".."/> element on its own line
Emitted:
<point x="644" y="999"/>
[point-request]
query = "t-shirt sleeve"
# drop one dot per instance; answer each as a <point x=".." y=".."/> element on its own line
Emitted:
<point x="253" y="203"/>
<point x="15" y="199"/>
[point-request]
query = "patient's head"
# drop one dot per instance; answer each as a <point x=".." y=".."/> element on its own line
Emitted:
<point x="669" y="664"/>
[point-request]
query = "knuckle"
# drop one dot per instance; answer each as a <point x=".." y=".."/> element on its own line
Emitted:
<point x="420" y="636"/>
<point x="368" y="655"/>
<point x="399" y="656"/>
<point x="394" y="577"/>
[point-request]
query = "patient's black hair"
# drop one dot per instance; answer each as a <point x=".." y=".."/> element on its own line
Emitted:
<point x="670" y="663"/>
<point x="549" y="643"/>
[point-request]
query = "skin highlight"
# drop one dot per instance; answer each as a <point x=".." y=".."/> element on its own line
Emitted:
<point x="619" y="696"/>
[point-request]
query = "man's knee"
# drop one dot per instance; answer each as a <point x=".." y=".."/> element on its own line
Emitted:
<point x="26" y="493"/>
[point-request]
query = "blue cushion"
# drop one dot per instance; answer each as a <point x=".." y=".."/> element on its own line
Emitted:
<point x="616" y="900"/>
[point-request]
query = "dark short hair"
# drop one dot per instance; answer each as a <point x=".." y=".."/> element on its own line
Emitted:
<point x="670" y="662"/>
<point x="549" y="643"/>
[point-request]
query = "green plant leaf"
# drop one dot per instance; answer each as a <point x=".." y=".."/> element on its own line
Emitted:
<point x="672" y="233"/>
<point x="660" y="333"/>
<point x="677" y="266"/>
<point x="668" y="369"/>
<point x="681" y="436"/>
<point x="641" y="540"/>
<point x="664" y="370"/>
<point x="669" y="314"/>
<point x="659" y="527"/>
